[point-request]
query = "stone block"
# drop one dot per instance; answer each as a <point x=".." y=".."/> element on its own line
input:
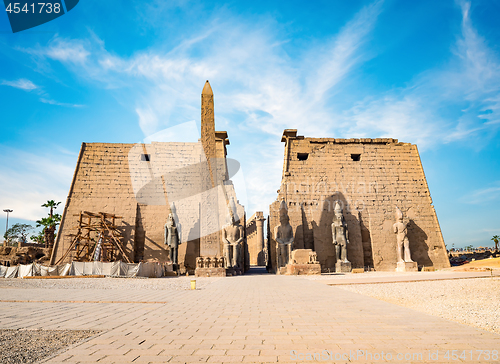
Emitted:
<point x="210" y="272"/>
<point x="428" y="269"/>
<point x="343" y="267"/>
<point x="407" y="267"/>
<point x="358" y="270"/>
<point x="303" y="269"/>
<point x="301" y="256"/>
<point x="230" y="272"/>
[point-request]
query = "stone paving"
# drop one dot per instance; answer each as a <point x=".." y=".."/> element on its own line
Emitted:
<point x="249" y="319"/>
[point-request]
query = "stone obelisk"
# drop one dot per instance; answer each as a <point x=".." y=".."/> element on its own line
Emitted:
<point x="209" y="229"/>
<point x="208" y="128"/>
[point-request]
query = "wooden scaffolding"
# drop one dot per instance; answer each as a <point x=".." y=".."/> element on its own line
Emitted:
<point x="97" y="239"/>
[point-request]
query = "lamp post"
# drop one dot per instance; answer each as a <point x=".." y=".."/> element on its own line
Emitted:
<point x="7" y="223"/>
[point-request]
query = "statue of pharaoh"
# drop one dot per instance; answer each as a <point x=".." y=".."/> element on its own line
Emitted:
<point x="232" y="236"/>
<point x="340" y="234"/>
<point x="400" y="228"/>
<point x="283" y="233"/>
<point x="172" y="238"/>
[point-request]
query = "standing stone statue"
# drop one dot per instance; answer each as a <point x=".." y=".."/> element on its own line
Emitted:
<point x="340" y="237"/>
<point x="400" y="228"/>
<point x="232" y="236"/>
<point x="283" y="233"/>
<point x="172" y="239"/>
<point x="340" y="234"/>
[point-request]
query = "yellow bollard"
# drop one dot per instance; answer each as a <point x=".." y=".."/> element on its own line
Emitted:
<point x="193" y="284"/>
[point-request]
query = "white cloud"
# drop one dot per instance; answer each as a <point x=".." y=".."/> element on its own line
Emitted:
<point x="251" y="73"/>
<point x="343" y="54"/>
<point x="394" y="116"/>
<point x="67" y="51"/>
<point x="29" y="180"/>
<point x="147" y="120"/>
<point x="484" y="195"/>
<point x="413" y="114"/>
<point x="22" y="83"/>
<point x="186" y="133"/>
<point x="260" y="88"/>
<point x="53" y="102"/>
<point x="27" y="85"/>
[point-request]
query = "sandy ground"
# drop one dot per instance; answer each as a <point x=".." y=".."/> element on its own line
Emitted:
<point x="30" y="346"/>
<point x="474" y="302"/>
<point x="492" y="263"/>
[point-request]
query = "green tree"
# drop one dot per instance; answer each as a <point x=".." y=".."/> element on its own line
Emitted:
<point x="49" y="223"/>
<point x="17" y="233"/>
<point x="49" y="228"/>
<point x="496" y="238"/>
<point x="53" y="205"/>
<point x="39" y="239"/>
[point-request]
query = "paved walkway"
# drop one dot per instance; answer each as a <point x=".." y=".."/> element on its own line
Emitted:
<point x="249" y="319"/>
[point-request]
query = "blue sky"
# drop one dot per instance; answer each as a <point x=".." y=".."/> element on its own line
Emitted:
<point x="424" y="72"/>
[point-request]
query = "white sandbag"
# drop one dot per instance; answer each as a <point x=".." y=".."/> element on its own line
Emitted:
<point x="130" y="269"/>
<point x="44" y="270"/>
<point x="37" y="269"/>
<point x="3" y="270"/>
<point x="116" y="268"/>
<point x="88" y="268"/>
<point x="54" y="270"/>
<point x="97" y="268"/>
<point x="12" y="272"/>
<point x="106" y="268"/>
<point x="64" y="270"/>
<point x="25" y="270"/>
<point x="77" y="269"/>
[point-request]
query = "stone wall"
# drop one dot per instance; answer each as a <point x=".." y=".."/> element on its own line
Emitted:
<point x="101" y="183"/>
<point x="143" y="183"/>
<point x="11" y="255"/>
<point x="370" y="177"/>
<point x="119" y="179"/>
<point x="255" y="239"/>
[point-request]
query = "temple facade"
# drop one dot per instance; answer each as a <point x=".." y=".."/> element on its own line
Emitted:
<point x="369" y="178"/>
<point x="143" y="184"/>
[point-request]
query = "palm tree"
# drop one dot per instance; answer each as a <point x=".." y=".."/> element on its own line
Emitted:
<point x="53" y="205"/>
<point x="49" y="223"/>
<point x="496" y="238"/>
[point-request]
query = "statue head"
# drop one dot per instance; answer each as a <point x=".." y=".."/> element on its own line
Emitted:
<point x="338" y="210"/>
<point x="399" y="214"/>
<point x="171" y="219"/>
<point x="284" y="219"/>
<point x="229" y="218"/>
<point x="233" y="206"/>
